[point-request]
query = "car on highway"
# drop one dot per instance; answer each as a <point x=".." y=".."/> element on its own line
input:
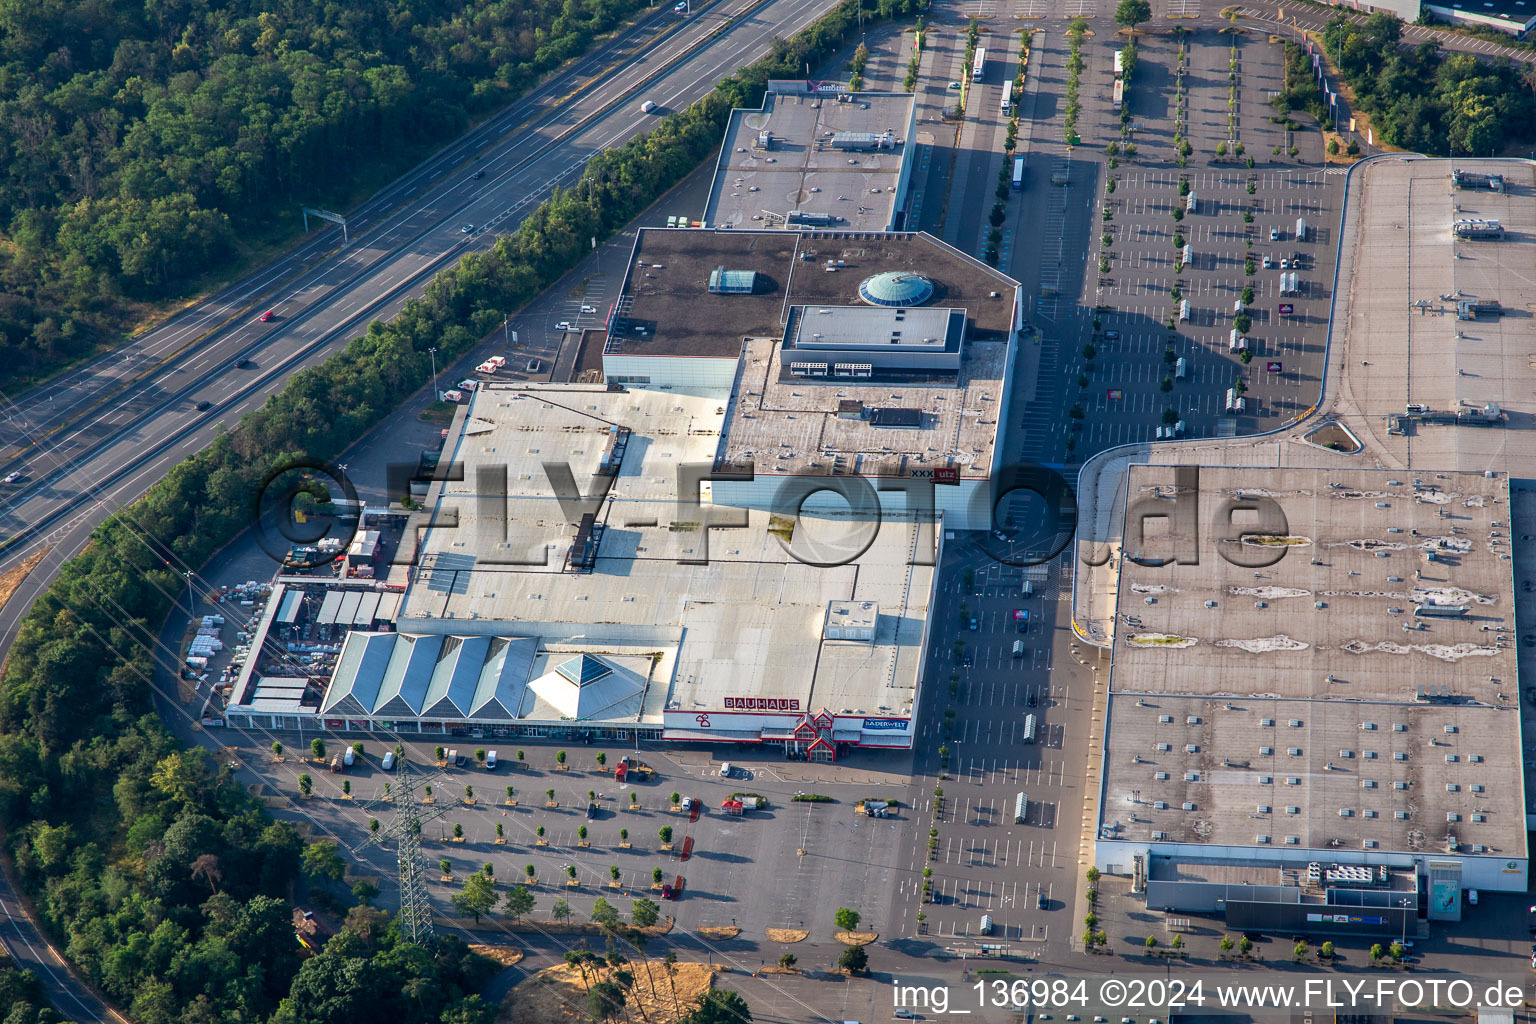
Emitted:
<point x="466" y="229"/>
<point x="648" y="107"/>
<point x="478" y="175"/>
<point x="681" y="7"/>
<point x="1000" y="536"/>
<point x="11" y="478"/>
<point x="204" y="404"/>
<point x="242" y="363"/>
<point x="268" y="315"/>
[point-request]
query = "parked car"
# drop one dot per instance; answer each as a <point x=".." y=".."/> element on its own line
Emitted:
<point x="589" y="309"/>
<point x="564" y="325"/>
<point x="974" y="624"/>
<point x="1041" y="902"/>
<point x="955" y="86"/>
<point x="1274" y="234"/>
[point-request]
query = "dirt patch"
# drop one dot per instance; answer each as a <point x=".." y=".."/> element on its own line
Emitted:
<point x="558" y="994"/>
<point x="787" y="935"/>
<point x="719" y="931"/>
<point x="855" y="938"/>
<point x="13" y="577"/>
<point x="504" y="955"/>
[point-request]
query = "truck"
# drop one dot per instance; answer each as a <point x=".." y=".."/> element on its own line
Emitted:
<point x="1301" y="229"/>
<point x="629" y="766"/>
<point x="348" y="758"/>
<point x="1018" y="174"/>
<point x="1020" y="808"/>
<point x="1021" y="619"/>
<point x="1029" y="728"/>
<point x="336" y="764"/>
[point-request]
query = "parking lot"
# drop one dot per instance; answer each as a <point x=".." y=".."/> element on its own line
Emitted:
<point x="1119" y="392"/>
<point x="745" y="870"/>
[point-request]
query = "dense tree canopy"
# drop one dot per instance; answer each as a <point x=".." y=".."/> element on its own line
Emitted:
<point x="144" y="142"/>
<point x="1422" y="100"/>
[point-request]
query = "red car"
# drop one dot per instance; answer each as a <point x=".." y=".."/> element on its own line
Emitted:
<point x="266" y="316"/>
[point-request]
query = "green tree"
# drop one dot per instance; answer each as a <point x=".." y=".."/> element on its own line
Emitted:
<point x="1130" y="13"/>
<point x="317" y="748"/>
<point x="664" y="834"/>
<point x="1326" y="951"/>
<point x="606" y="1001"/>
<point x="604" y="913"/>
<point x="1226" y="943"/>
<point x="644" y="913"/>
<point x="365" y="892"/>
<point x="846" y="920"/>
<point x="788" y="960"/>
<point x="560" y="911"/>
<point x="322" y="861"/>
<point x="1151" y="943"/>
<point x="517" y="902"/>
<point x="476" y="898"/>
<point x="854" y="959"/>
<point x="306" y="784"/>
<point x="560" y="756"/>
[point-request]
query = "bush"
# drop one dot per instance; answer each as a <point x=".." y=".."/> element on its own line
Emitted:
<point x="811" y="798"/>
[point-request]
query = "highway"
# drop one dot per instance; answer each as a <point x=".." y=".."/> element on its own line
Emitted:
<point x="114" y="450"/>
<point x="99" y="437"/>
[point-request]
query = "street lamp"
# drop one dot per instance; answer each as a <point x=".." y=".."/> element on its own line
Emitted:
<point x="188" y="574"/>
<point x="436" y="395"/>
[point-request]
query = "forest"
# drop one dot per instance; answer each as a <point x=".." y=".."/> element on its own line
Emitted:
<point x="157" y="875"/>
<point x="148" y="144"/>
<point x="1426" y="101"/>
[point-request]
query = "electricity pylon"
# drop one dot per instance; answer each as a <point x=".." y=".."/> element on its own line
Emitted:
<point x="405" y="828"/>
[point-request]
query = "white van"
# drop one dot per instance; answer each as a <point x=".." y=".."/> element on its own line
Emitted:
<point x="1006" y="103"/>
<point x="349" y="757"/>
<point x="389" y="761"/>
<point x="727" y="770"/>
<point x="490" y="761"/>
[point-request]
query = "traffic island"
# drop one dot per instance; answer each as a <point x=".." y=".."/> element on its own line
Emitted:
<point x="787" y="935"/>
<point x="855" y="938"/>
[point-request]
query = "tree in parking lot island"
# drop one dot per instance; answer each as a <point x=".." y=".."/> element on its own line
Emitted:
<point x="1130" y="13"/>
<point x="560" y="757"/>
<point x="665" y="833"/>
<point x="1226" y="944"/>
<point x="1151" y="943"/>
<point x="788" y="960"/>
<point x="581" y="832"/>
<point x="1245" y="946"/>
<point x="529" y="871"/>
<point x="1377" y="952"/>
<point x="846" y="920"/>
<point x="480" y="756"/>
<point x="446" y="866"/>
<point x="604" y="914"/>
<point x="854" y="959"/>
<point x="677" y="798"/>
<point x="439" y="754"/>
<point x="346" y="786"/>
<point x="306" y="785"/>
<point x="561" y="911"/>
<point x="656" y="875"/>
<point x="613" y="872"/>
<point x="469" y="793"/>
<point x="1396" y="950"/>
<point x="1299" y="952"/>
<point x="277" y="750"/>
<point x="601" y="759"/>
<point x="623" y="835"/>
<point x="500" y="831"/>
<point x="549" y="794"/>
<point x="1326" y="951"/>
<point x="317" y="748"/>
<point x="458" y="831"/>
<point x="570" y="869"/>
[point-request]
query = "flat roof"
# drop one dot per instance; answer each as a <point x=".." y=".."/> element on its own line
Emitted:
<point x="666" y="290"/>
<point x="1296" y="685"/>
<point x="747" y="622"/>
<point x="802" y="170"/>
<point x="880" y="328"/>
<point x="785" y="425"/>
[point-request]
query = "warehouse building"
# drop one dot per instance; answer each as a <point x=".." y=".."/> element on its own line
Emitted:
<point x="1324" y="677"/>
